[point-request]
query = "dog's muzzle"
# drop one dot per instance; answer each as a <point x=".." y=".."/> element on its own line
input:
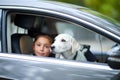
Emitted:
<point x="52" y="48"/>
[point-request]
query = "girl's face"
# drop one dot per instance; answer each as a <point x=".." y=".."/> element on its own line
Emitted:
<point x="41" y="47"/>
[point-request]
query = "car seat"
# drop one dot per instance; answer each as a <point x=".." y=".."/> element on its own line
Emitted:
<point x="21" y="43"/>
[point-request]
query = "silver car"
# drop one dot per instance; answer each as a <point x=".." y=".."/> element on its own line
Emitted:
<point x="21" y="20"/>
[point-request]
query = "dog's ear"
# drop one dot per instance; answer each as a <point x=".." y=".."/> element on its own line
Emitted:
<point x="75" y="45"/>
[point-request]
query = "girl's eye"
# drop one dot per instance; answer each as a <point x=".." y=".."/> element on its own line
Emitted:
<point x="47" y="46"/>
<point x="38" y="44"/>
<point x="63" y="40"/>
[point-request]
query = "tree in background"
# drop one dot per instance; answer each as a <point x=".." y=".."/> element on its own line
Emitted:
<point x="106" y="7"/>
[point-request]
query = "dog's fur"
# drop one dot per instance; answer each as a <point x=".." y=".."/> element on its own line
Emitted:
<point x="68" y="47"/>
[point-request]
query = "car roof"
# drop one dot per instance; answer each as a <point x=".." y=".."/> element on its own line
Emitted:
<point x="84" y="14"/>
<point x="54" y="5"/>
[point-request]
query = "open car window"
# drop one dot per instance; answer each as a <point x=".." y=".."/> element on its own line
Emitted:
<point x="30" y="24"/>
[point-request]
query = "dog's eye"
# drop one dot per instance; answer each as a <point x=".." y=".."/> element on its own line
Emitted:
<point x="63" y="40"/>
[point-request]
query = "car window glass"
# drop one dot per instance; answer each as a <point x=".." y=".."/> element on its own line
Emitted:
<point x="99" y="45"/>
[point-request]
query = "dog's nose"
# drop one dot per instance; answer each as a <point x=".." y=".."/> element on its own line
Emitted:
<point x="52" y="47"/>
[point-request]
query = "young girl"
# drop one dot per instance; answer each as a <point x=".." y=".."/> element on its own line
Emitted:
<point x="41" y="45"/>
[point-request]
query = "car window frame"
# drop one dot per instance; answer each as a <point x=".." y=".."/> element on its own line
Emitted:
<point x="0" y="27"/>
<point x="3" y="31"/>
<point x="49" y="14"/>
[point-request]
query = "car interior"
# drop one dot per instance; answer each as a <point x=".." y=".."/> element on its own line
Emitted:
<point x="23" y="27"/>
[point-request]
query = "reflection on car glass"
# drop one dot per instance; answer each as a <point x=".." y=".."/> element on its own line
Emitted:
<point x="1" y="78"/>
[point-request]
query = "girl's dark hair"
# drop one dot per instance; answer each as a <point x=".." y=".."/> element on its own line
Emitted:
<point x="43" y="35"/>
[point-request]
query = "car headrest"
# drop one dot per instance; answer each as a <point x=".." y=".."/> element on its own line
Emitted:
<point x="24" y="21"/>
<point x="21" y="43"/>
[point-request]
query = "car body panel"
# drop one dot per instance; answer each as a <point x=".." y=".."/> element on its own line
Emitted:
<point x="19" y="67"/>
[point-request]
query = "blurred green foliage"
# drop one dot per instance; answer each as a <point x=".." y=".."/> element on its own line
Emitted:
<point x="106" y="7"/>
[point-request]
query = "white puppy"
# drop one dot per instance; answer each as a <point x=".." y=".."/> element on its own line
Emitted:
<point x="68" y="47"/>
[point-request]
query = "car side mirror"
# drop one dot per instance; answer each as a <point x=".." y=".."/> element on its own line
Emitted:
<point x="114" y="57"/>
<point x="114" y="60"/>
